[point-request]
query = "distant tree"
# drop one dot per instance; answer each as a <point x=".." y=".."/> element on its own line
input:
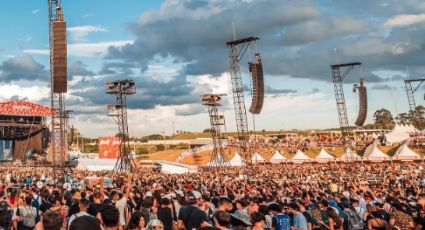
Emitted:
<point x="207" y="131"/>
<point x="384" y="118"/>
<point x="142" y="151"/>
<point x="404" y="118"/>
<point x="418" y="117"/>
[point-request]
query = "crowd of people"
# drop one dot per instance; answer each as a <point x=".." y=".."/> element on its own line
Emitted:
<point x="279" y="197"/>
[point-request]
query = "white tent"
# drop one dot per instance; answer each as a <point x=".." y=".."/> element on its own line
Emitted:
<point x="412" y="129"/>
<point x="372" y="153"/>
<point x="350" y="155"/>
<point x="404" y="153"/>
<point x="300" y="157"/>
<point x="96" y="164"/>
<point x="277" y="158"/>
<point x="324" y="156"/>
<point x="398" y="134"/>
<point x="257" y="158"/>
<point x="236" y="160"/>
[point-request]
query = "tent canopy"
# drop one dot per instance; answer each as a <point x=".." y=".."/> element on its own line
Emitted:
<point x="400" y="133"/>
<point x="373" y="153"/>
<point x="405" y="153"/>
<point x="256" y="158"/>
<point x="277" y="158"/>
<point x="236" y="160"/>
<point x="324" y="156"/>
<point x="300" y="156"/>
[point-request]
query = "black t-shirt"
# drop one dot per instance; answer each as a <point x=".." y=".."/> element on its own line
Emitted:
<point x="94" y="209"/>
<point x="45" y="206"/>
<point x="166" y="217"/>
<point x="192" y="217"/>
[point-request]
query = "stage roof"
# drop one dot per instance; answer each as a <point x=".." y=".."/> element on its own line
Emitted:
<point x="24" y="109"/>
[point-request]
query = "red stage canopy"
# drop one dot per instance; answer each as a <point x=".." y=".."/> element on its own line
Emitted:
<point x="25" y="109"/>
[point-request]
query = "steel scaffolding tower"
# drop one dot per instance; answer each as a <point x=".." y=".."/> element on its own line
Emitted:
<point x="237" y="49"/>
<point x="118" y="111"/>
<point x="59" y="146"/>
<point x="337" y="79"/>
<point x="218" y="156"/>
<point x="410" y="91"/>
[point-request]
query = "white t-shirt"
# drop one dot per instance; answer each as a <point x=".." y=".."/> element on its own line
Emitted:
<point x="120" y="205"/>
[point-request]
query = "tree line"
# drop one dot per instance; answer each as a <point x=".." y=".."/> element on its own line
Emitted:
<point x="384" y="119"/>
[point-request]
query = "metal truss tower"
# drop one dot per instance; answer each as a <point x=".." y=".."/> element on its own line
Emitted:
<point x="118" y="111"/>
<point x="410" y="91"/>
<point x="337" y="79"/>
<point x="237" y="49"/>
<point x="57" y="45"/>
<point x="218" y="156"/>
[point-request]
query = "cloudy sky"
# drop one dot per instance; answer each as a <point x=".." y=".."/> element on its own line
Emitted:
<point x="175" y="51"/>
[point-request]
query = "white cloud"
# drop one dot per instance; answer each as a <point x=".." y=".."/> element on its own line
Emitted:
<point x="33" y="93"/>
<point x="85" y="49"/>
<point x="405" y="20"/>
<point x="35" y="11"/>
<point x="79" y="33"/>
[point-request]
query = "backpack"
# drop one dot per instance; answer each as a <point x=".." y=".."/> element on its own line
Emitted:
<point x="283" y="222"/>
<point x="36" y="205"/>
<point x="354" y="221"/>
<point x="29" y="218"/>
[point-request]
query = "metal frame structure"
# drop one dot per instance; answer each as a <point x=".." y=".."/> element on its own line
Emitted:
<point x="337" y="79"/>
<point x="118" y="111"/>
<point x="410" y="91"/>
<point x="218" y="156"/>
<point x="59" y="146"/>
<point x="237" y="49"/>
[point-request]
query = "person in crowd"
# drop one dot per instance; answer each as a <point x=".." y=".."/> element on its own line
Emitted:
<point x="86" y="222"/>
<point x="299" y="220"/>
<point x="83" y="207"/>
<point x="28" y="215"/>
<point x="222" y="220"/>
<point x="165" y="214"/>
<point x="191" y="216"/>
<point x="137" y="222"/>
<point x="50" y="221"/>
<point x="280" y="220"/>
<point x="258" y="221"/>
<point x="155" y="224"/>
<point x="400" y="219"/>
<point x="110" y="218"/>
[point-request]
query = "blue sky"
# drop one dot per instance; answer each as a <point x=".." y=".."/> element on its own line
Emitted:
<point x="175" y="51"/>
